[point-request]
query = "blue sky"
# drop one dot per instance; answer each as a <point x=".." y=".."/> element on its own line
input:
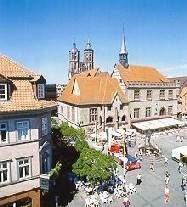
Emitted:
<point x="39" y="33"/>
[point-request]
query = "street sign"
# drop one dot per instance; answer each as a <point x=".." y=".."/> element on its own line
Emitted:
<point x="44" y="182"/>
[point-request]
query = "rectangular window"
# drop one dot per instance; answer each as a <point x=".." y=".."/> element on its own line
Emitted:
<point x="4" y="172"/>
<point x="44" y="126"/>
<point x="170" y="94"/>
<point x="109" y="108"/>
<point x="24" y="168"/>
<point x="68" y="113"/>
<point x="148" y="112"/>
<point x="170" y="110"/>
<point x="41" y="91"/>
<point x="136" y="113"/>
<point x="136" y="94"/>
<point x="23" y="130"/>
<point x="121" y="107"/>
<point x="73" y="114"/>
<point x="93" y="114"/>
<point x="3" y="133"/>
<point x="3" y="92"/>
<point x="162" y="94"/>
<point x="149" y="94"/>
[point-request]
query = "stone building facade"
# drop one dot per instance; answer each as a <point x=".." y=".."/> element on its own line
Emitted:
<point x="25" y="140"/>
<point x="150" y="94"/>
<point x="93" y="99"/>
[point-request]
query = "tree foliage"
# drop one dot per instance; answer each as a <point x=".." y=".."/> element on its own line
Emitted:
<point x="94" y="165"/>
<point x="67" y="133"/>
<point x="80" y="145"/>
<point x="56" y="170"/>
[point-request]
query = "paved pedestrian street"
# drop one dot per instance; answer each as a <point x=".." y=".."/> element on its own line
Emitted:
<point x="151" y="191"/>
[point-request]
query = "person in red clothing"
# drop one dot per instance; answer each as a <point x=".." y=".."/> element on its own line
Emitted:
<point x="166" y="194"/>
<point x="126" y="202"/>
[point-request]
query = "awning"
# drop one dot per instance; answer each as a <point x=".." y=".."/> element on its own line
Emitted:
<point x="157" y="124"/>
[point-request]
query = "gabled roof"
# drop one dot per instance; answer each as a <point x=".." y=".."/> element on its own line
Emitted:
<point x="137" y="73"/>
<point x="98" y="88"/>
<point x="22" y="97"/>
<point x="11" y="69"/>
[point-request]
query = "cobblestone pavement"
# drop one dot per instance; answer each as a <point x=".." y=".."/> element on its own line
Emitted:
<point x="150" y="192"/>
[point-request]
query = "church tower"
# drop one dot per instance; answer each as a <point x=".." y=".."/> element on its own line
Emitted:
<point x="74" y="61"/>
<point x="123" y="54"/>
<point x="88" y="56"/>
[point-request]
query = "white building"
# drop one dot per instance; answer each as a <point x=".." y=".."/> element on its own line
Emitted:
<point x="150" y="94"/>
<point x="25" y="140"/>
<point x="93" y="98"/>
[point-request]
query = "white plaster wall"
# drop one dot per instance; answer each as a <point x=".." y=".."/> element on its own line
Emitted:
<point x="19" y="187"/>
<point x="21" y="149"/>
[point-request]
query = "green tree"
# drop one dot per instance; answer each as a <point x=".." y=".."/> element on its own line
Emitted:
<point x="94" y="165"/>
<point x="80" y="145"/>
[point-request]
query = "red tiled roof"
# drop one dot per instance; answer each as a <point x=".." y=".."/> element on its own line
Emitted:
<point x="22" y="97"/>
<point x="95" y="88"/>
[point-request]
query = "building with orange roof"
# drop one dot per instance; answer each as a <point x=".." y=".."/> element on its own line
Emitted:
<point x="93" y="98"/>
<point x="150" y="94"/>
<point x="25" y="140"/>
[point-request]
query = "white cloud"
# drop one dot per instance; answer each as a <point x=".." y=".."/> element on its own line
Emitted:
<point x="177" y="70"/>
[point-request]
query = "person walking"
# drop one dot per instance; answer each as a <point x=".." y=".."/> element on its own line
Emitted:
<point x="180" y="167"/>
<point x="139" y="179"/>
<point x="183" y="183"/>
<point x="151" y="167"/>
<point x="165" y="161"/>
<point x="167" y="178"/>
<point x="166" y="194"/>
<point x="185" y="198"/>
<point x="126" y="202"/>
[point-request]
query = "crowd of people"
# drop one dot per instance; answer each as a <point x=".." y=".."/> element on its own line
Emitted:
<point x="140" y="154"/>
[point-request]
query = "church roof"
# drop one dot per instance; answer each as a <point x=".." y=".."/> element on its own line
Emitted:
<point x="95" y="88"/>
<point x="137" y="73"/>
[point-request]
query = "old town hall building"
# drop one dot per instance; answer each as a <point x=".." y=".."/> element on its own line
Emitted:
<point x="132" y="93"/>
<point x="150" y="94"/>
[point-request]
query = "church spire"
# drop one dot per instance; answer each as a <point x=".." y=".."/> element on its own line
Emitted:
<point x="88" y="45"/>
<point x="123" y="54"/>
<point x="123" y="45"/>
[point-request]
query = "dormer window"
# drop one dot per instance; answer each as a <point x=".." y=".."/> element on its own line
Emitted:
<point x="41" y="91"/>
<point x="3" y="92"/>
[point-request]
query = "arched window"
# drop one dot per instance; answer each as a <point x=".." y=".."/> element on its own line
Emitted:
<point x="162" y="111"/>
<point x="123" y="118"/>
<point x="109" y="119"/>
